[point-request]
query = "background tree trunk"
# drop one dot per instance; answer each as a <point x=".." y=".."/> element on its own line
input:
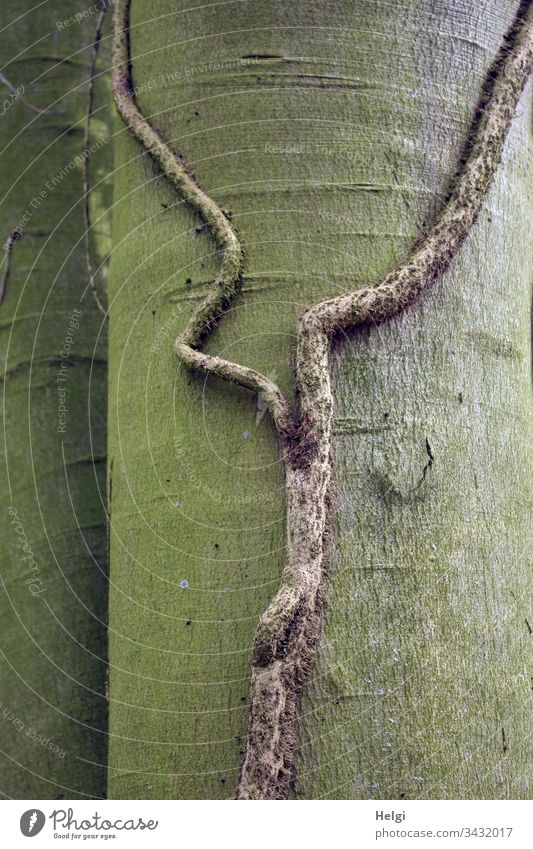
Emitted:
<point x="53" y="593"/>
<point x="331" y="131"/>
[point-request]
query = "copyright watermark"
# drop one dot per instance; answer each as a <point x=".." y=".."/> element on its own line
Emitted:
<point x="34" y="579"/>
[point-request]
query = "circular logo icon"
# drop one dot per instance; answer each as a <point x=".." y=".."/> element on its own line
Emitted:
<point x="31" y="822"/>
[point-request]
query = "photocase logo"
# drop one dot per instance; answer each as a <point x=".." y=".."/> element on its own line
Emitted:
<point x="31" y="822"/>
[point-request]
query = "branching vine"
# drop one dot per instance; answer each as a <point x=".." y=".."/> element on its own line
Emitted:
<point x="288" y="631"/>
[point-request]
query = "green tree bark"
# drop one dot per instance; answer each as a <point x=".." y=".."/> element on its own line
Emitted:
<point x="53" y="593"/>
<point x="331" y="132"/>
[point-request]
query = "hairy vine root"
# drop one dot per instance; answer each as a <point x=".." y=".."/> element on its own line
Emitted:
<point x="289" y="630"/>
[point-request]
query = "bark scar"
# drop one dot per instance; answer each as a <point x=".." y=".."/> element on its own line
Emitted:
<point x="289" y="630"/>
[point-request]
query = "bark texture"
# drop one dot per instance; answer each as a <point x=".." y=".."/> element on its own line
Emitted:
<point x="307" y="193"/>
<point x="53" y="589"/>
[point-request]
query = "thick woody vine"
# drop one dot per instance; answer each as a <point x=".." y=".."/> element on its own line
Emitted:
<point x="289" y="629"/>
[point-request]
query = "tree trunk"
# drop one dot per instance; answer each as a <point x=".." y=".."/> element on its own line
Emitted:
<point x="332" y="133"/>
<point x="53" y="606"/>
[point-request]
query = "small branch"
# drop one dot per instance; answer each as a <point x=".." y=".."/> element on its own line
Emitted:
<point x="86" y="146"/>
<point x="229" y="278"/>
<point x="5" y="267"/>
<point x="20" y="96"/>
<point x="289" y="629"/>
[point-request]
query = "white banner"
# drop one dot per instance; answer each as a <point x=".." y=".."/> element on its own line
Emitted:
<point x="245" y="825"/>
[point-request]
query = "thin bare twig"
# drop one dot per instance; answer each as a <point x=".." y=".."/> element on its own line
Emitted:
<point x="86" y="147"/>
<point x="20" y="96"/>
